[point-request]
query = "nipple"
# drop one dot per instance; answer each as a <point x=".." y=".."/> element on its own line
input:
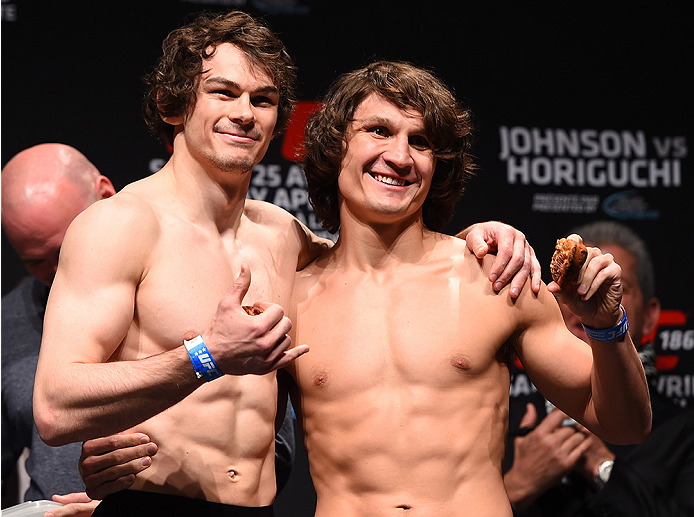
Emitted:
<point x="461" y="362"/>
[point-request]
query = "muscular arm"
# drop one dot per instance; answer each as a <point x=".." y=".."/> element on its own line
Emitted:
<point x="78" y="394"/>
<point x="83" y="388"/>
<point x="602" y="385"/>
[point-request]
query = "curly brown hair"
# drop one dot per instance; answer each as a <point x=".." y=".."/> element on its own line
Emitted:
<point x="171" y="85"/>
<point x="448" y="127"/>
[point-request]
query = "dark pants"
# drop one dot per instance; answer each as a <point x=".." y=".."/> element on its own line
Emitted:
<point x="133" y="503"/>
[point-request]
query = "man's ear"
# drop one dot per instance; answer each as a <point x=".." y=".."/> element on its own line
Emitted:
<point x="174" y="120"/>
<point x="104" y="187"/>
<point x="651" y="314"/>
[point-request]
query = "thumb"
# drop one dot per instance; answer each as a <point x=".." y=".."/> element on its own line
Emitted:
<point x="530" y="417"/>
<point x="477" y="244"/>
<point x="241" y="284"/>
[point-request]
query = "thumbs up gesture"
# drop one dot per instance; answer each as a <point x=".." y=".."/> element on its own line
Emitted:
<point x="244" y="341"/>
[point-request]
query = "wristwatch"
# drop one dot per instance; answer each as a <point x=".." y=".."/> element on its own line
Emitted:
<point x="604" y="471"/>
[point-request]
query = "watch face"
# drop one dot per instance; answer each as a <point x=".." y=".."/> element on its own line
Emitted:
<point x="604" y="471"/>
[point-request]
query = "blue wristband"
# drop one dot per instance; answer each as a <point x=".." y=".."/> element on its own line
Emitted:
<point x="609" y="334"/>
<point x="202" y="360"/>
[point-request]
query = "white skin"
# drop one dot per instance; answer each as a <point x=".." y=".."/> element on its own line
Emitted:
<point x="403" y="397"/>
<point x="550" y="451"/>
<point x="123" y="300"/>
<point x="135" y="295"/>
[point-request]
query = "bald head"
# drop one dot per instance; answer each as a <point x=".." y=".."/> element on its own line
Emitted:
<point x="43" y="189"/>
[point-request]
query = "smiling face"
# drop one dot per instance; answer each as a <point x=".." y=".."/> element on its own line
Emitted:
<point x="234" y="116"/>
<point x="388" y="164"/>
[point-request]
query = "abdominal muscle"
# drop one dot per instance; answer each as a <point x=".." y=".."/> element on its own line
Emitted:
<point x="385" y="454"/>
<point x="212" y="448"/>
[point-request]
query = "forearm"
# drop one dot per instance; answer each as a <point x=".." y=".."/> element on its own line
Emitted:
<point x="88" y="400"/>
<point x="619" y="392"/>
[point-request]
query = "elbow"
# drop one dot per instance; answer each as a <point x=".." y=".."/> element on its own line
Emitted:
<point x="645" y="429"/>
<point x="634" y="433"/>
<point x="49" y="423"/>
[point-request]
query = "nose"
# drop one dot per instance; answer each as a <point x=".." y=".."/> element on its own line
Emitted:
<point x="242" y="110"/>
<point x="398" y="153"/>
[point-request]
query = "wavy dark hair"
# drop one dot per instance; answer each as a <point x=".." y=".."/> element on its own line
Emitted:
<point x="447" y="124"/>
<point x="171" y="85"/>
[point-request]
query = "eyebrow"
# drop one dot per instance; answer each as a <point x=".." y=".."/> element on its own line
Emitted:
<point x="222" y="81"/>
<point x="379" y="120"/>
<point x="374" y="119"/>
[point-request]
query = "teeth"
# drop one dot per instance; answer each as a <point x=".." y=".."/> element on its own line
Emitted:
<point x="389" y="180"/>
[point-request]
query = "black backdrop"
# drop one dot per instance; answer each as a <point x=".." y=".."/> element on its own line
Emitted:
<point x="584" y="111"/>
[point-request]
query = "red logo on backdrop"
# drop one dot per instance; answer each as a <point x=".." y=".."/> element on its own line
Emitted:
<point x="294" y="136"/>
<point x="665" y="362"/>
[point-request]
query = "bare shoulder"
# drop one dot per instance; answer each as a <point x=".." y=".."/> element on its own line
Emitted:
<point x="125" y="211"/>
<point x="113" y="234"/>
<point x="461" y="258"/>
<point x="274" y="223"/>
<point x="267" y="214"/>
<point x="287" y="232"/>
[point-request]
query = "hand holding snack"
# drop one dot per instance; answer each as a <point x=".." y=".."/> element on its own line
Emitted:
<point x="588" y="281"/>
<point x="567" y="261"/>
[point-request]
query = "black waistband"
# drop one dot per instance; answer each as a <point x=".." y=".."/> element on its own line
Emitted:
<point x="134" y="503"/>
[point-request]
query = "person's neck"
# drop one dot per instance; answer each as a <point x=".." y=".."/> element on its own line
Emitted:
<point x="381" y="245"/>
<point x="210" y="196"/>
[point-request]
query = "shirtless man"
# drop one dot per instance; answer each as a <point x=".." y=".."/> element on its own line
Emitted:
<point x="404" y="395"/>
<point x="147" y="268"/>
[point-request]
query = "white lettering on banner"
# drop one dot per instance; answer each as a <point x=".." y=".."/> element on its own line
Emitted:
<point x="295" y="177"/>
<point x="565" y="203"/>
<point x="521" y="385"/>
<point x="594" y="173"/>
<point x="259" y="193"/>
<point x="676" y="340"/>
<point x="290" y="199"/>
<point x="267" y="175"/>
<point x="592" y="158"/>
<point x="676" y="387"/>
<point x="287" y="190"/>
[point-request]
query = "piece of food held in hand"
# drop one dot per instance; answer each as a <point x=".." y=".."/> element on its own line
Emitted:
<point x="567" y="261"/>
<point x="253" y="311"/>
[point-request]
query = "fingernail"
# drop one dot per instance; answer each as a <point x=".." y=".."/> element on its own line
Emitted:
<point x="515" y="292"/>
<point x="130" y="478"/>
<point x="146" y="461"/>
<point x="493" y="277"/>
<point x="498" y="286"/>
<point x="144" y="439"/>
<point x="151" y="449"/>
<point x="582" y="289"/>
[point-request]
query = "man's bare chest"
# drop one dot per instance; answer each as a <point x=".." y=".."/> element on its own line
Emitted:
<point x="437" y="334"/>
<point x="188" y="276"/>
